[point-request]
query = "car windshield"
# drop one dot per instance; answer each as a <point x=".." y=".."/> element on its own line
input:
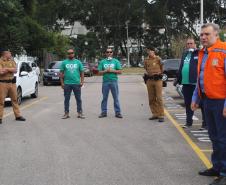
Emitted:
<point x="171" y="63"/>
<point x="55" y="65"/>
<point x="85" y="65"/>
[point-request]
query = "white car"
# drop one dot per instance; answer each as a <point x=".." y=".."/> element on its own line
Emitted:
<point x="26" y="81"/>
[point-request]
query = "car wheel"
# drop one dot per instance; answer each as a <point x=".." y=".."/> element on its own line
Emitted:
<point x="45" y="83"/>
<point x="164" y="77"/>
<point x="39" y="79"/>
<point x="35" y="94"/>
<point x="19" y="95"/>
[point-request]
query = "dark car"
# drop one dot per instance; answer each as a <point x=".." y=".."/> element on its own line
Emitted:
<point x="51" y="75"/>
<point x="170" y="68"/>
<point x="87" y="69"/>
<point x="95" y="69"/>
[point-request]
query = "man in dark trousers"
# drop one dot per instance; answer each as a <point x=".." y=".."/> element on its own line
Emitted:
<point x="211" y="88"/>
<point x="187" y="76"/>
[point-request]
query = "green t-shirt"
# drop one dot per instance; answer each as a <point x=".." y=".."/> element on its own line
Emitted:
<point x="114" y="64"/>
<point x="71" y="70"/>
<point x="185" y="69"/>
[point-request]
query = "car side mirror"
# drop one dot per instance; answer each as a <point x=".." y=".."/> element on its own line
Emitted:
<point x="24" y="73"/>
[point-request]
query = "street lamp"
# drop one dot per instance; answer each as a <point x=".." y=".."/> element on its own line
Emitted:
<point x="151" y="1"/>
<point x="201" y="12"/>
<point x="86" y="44"/>
<point x="127" y="35"/>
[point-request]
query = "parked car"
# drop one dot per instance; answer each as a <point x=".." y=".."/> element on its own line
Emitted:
<point x="170" y="68"/>
<point x="51" y="75"/>
<point x="26" y="81"/>
<point x="87" y="69"/>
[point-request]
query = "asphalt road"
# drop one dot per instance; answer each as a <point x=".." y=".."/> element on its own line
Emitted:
<point x="46" y="150"/>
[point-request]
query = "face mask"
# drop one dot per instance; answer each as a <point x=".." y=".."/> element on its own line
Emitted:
<point x="191" y="49"/>
<point x="109" y="58"/>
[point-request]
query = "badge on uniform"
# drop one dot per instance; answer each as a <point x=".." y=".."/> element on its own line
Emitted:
<point x="215" y="62"/>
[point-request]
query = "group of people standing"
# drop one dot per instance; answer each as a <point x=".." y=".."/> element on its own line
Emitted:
<point x="203" y="76"/>
<point x="72" y="79"/>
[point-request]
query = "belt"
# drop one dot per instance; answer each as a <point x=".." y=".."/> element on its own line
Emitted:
<point x="155" y="77"/>
<point x="6" y="81"/>
<point x="203" y="95"/>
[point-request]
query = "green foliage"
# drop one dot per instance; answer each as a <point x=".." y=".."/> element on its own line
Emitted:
<point x="86" y="46"/>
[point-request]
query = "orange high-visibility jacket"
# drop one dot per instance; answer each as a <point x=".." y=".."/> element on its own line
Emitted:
<point x="214" y="71"/>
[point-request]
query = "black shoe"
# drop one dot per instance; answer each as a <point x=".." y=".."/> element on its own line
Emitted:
<point x="209" y="172"/>
<point x="219" y="181"/>
<point x="203" y="128"/>
<point x="118" y="115"/>
<point x="102" y="115"/>
<point x="161" y="120"/>
<point x="186" y="126"/>
<point x="0" y="121"/>
<point x="21" y="118"/>
<point x="153" y="118"/>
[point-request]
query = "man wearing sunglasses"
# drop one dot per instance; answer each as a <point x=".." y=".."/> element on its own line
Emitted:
<point x="72" y="79"/>
<point x="187" y="76"/>
<point x="110" y="68"/>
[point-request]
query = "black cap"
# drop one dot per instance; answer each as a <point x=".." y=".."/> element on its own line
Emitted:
<point x="151" y="48"/>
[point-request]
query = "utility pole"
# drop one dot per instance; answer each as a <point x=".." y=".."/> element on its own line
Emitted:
<point x="201" y="12"/>
<point x="127" y="34"/>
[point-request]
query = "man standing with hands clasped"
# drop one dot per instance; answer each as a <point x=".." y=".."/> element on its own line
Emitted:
<point x="110" y="68"/>
<point x="211" y="88"/>
<point x="154" y="68"/>
<point x="8" y="84"/>
<point x="72" y="79"/>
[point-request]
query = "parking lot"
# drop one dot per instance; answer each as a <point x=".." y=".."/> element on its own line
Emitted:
<point x="46" y="150"/>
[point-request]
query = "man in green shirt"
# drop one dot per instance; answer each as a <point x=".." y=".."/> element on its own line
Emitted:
<point x="187" y="76"/>
<point x="72" y="79"/>
<point x="110" y="68"/>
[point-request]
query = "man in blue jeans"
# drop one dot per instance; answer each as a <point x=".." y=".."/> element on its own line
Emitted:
<point x="110" y="68"/>
<point x="72" y="79"/>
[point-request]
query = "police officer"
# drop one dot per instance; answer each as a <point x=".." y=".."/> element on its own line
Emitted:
<point x="154" y="69"/>
<point x="8" y="84"/>
<point x="211" y="88"/>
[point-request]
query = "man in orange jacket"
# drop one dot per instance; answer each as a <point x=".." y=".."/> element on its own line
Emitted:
<point x="211" y="88"/>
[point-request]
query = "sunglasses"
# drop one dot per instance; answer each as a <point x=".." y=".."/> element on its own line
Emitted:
<point x="70" y="53"/>
<point x="109" y="51"/>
